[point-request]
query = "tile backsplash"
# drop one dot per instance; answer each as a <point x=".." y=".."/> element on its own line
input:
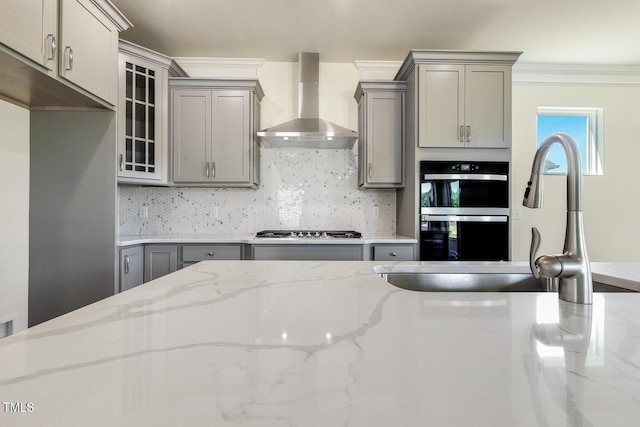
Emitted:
<point x="300" y="188"/>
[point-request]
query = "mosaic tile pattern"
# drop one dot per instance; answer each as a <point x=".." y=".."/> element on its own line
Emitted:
<point x="300" y="188"/>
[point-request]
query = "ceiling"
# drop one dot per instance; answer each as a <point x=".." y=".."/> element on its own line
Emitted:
<point x="547" y="31"/>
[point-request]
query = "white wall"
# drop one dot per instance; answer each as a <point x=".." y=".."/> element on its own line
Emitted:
<point x="14" y="215"/>
<point x="611" y="202"/>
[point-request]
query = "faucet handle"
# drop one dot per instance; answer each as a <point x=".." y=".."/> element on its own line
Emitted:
<point x="535" y="244"/>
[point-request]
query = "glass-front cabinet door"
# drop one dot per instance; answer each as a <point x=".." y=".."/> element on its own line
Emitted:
<point x="139" y="155"/>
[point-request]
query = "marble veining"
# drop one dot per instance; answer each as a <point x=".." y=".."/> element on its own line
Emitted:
<point x="300" y="188"/>
<point x="274" y="343"/>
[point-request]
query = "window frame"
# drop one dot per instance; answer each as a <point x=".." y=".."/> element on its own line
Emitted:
<point x="594" y="132"/>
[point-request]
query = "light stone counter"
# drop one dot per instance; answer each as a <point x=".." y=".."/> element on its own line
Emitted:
<point x="130" y="240"/>
<point x="272" y="343"/>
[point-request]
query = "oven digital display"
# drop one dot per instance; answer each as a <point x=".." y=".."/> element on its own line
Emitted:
<point x="465" y="167"/>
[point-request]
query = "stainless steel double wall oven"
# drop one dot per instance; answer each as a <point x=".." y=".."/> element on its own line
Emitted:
<point x="464" y="211"/>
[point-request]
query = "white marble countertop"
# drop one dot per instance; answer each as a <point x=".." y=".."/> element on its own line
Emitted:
<point x="130" y="240"/>
<point x="276" y="343"/>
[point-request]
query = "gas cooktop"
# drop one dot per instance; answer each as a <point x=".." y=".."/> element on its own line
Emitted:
<point x="309" y="234"/>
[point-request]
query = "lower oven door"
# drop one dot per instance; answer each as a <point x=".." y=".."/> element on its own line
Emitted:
<point x="464" y="238"/>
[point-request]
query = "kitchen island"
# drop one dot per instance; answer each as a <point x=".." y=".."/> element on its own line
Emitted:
<point x="325" y="344"/>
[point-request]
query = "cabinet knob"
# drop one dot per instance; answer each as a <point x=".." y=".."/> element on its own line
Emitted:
<point x="210" y="253"/>
<point x="393" y="254"/>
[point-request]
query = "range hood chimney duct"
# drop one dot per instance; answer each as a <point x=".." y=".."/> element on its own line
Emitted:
<point x="308" y="130"/>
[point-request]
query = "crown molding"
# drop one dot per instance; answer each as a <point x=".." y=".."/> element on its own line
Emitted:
<point x="576" y="74"/>
<point x="377" y="70"/>
<point x="221" y="67"/>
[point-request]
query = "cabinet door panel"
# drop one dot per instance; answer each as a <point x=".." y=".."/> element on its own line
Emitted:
<point x="131" y="270"/>
<point x="384" y="138"/>
<point x="159" y="260"/>
<point x="488" y="103"/>
<point x="27" y="27"/>
<point x="191" y="135"/>
<point x="88" y="49"/>
<point x="441" y="106"/>
<point x="140" y="124"/>
<point x="231" y="138"/>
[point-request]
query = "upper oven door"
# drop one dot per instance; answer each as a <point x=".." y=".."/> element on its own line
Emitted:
<point x="464" y="192"/>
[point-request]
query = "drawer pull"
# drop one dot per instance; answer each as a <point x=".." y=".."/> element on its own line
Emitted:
<point x="68" y="53"/>
<point x="393" y="254"/>
<point x="52" y="47"/>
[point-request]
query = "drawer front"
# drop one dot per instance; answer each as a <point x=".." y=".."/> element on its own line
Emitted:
<point x="393" y="253"/>
<point x="196" y="253"/>
<point x="308" y="252"/>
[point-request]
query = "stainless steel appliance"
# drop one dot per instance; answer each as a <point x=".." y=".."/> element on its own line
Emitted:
<point x="309" y="234"/>
<point x="464" y="211"/>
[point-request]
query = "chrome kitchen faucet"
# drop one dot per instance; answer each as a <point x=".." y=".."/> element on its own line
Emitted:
<point x="572" y="266"/>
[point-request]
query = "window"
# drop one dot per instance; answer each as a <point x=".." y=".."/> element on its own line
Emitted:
<point x="582" y="124"/>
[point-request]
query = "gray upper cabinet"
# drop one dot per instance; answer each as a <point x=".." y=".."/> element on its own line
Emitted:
<point x="465" y="106"/>
<point x="60" y="53"/>
<point x="381" y="134"/>
<point x="214" y="125"/>
<point x="88" y="49"/>
<point x="30" y="28"/>
<point x="143" y="114"/>
<point x="464" y="98"/>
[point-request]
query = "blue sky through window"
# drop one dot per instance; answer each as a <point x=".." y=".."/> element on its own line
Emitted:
<point x="576" y="126"/>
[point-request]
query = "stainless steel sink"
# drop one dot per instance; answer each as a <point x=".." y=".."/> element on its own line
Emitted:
<point x="480" y="282"/>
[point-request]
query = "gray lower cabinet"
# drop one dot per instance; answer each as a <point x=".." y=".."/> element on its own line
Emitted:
<point x="159" y="260"/>
<point x="192" y="254"/>
<point x="386" y="252"/>
<point x="308" y="252"/>
<point x="131" y="267"/>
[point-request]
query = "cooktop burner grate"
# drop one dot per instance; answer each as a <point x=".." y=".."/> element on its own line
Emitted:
<point x="309" y="234"/>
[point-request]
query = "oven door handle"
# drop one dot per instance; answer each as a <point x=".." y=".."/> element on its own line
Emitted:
<point x="463" y="177"/>
<point x="464" y="218"/>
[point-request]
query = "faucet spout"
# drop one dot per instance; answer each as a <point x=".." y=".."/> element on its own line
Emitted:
<point x="572" y="266"/>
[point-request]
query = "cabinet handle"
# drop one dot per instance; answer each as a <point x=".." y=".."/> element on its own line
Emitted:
<point x="213" y="169"/>
<point x="468" y="133"/>
<point x="68" y="56"/>
<point x="121" y="162"/>
<point x="207" y="170"/>
<point x="393" y="254"/>
<point x="126" y="264"/>
<point x="210" y="253"/>
<point x="370" y="170"/>
<point x="461" y="134"/>
<point x="52" y="47"/>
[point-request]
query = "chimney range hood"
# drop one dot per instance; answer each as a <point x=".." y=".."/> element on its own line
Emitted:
<point x="308" y="130"/>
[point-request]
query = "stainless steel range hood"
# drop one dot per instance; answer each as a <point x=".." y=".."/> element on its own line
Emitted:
<point x="308" y="130"/>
